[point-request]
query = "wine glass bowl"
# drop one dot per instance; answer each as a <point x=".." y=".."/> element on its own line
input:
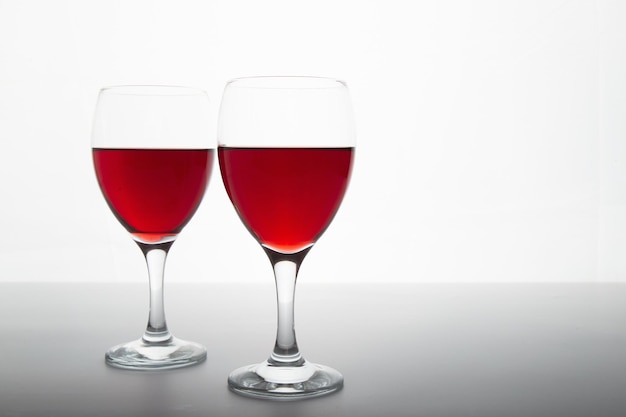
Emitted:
<point x="286" y="149"/>
<point x="153" y="160"/>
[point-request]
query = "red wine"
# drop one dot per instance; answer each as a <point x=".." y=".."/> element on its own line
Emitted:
<point x="153" y="192"/>
<point x="286" y="197"/>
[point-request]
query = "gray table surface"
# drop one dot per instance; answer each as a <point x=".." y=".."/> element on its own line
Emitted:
<point x="404" y="349"/>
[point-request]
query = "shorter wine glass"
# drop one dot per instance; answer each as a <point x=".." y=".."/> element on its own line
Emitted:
<point x="153" y="158"/>
<point x="285" y="149"/>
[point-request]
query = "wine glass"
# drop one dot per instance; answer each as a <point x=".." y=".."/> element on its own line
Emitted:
<point x="153" y="157"/>
<point x="285" y="149"/>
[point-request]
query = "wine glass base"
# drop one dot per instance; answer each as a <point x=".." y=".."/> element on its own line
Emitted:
<point x="285" y="382"/>
<point x="144" y="356"/>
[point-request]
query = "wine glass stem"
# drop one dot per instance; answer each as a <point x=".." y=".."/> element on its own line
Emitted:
<point x="286" y="348"/>
<point x="156" y="254"/>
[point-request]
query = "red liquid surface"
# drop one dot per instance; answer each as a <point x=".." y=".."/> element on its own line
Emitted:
<point x="153" y="192"/>
<point x="286" y="196"/>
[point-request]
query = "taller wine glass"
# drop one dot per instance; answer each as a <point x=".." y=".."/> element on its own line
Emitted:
<point x="153" y="156"/>
<point x="285" y="148"/>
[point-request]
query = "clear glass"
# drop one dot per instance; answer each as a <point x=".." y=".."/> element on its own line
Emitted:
<point x="153" y="156"/>
<point x="286" y="148"/>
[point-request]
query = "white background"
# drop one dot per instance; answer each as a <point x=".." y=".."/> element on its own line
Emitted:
<point x="491" y="134"/>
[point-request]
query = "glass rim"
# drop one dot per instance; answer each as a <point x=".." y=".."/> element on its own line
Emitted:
<point x="152" y="90"/>
<point x="287" y="82"/>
